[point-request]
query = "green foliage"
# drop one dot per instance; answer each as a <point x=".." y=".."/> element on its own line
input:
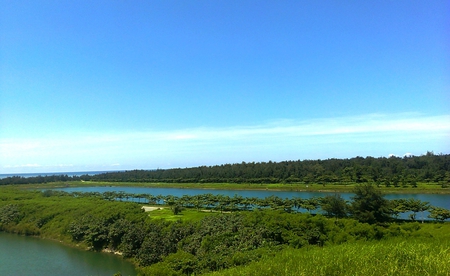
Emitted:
<point x="369" y="205"/>
<point x="388" y="257"/>
<point x="334" y="206"/>
<point x="439" y="214"/>
<point x="9" y="214"/>
<point x="400" y="172"/>
<point x="408" y="205"/>
<point x="213" y="241"/>
<point x="177" y="209"/>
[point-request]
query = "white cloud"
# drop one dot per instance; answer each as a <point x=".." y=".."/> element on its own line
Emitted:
<point x="23" y="166"/>
<point x="372" y="134"/>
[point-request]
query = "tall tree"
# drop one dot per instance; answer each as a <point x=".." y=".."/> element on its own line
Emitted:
<point x="334" y="206"/>
<point x="369" y="205"/>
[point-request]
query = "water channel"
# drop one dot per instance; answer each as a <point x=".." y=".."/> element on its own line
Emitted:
<point x="20" y="255"/>
<point x="438" y="200"/>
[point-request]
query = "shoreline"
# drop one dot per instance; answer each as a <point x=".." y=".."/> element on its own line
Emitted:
<point x="329" y="188"/>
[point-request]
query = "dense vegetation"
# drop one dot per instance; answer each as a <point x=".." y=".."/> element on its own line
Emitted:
<point x="396" y="256"/>
<point x="241" y="231"/>
<point x="392" y="171"/>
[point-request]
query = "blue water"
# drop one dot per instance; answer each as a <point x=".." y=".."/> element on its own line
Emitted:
<point x="5" y="175"/>
<point x="438" y="200"/>
<point x="21" y="255"/>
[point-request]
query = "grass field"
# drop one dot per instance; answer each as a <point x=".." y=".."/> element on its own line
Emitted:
<point x="422" y="188"/>
<point x="186" y="214"/>
<point x="388" y="257"/>
<point x="427" y="252"/>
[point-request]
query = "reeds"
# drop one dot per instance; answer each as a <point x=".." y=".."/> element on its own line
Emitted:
<point x="399" y="256"/>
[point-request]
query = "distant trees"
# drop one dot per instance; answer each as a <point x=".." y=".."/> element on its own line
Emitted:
<point x="396" y="171"/>
<point x="392" y="171"/>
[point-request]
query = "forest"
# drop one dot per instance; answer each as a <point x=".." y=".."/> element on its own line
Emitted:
<point x="390" y="172"/>
<point x="196" y="235"/>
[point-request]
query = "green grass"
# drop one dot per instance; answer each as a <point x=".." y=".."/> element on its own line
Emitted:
<point x="421" y="187"/>
<point x="398" y="256"/>
<point x="186" y="215"/>
<point x="436" y="230"/>
<point x="49" y="217"/>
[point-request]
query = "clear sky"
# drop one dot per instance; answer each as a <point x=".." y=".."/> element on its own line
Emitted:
<point x="114" y="85"/>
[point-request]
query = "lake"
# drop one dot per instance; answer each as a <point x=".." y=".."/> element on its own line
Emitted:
<point x="438" y="200"/>
<point x="20" y="255"/>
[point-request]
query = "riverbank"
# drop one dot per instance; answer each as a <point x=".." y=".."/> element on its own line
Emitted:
<point x="160" y="241"/>
<point x="422" y="188"/>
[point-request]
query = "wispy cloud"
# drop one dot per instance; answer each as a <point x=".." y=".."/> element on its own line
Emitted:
<point x="372" y="134"/>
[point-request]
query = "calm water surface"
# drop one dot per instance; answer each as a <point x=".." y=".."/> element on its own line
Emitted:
<point x="21" y="255"/>
<point x="439" y="200"/>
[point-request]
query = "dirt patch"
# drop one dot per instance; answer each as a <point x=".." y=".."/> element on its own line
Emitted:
<point x="215" y="211"/>
<point x="149" y="208"/>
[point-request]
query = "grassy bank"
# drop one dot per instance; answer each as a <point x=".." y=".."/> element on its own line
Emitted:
<point x="422" y="188"/>
<point x="387" y="257"/>
<point x="265" y="242"/>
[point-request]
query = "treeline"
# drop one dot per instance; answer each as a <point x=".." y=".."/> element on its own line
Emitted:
<point x="392" y="171"/>
<point x="40" y="179"/>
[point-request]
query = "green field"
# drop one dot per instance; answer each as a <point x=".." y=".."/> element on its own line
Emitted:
<point x="167" y="214"/>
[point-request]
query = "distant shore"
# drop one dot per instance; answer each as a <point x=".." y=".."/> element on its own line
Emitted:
<point x="422" y="188"/>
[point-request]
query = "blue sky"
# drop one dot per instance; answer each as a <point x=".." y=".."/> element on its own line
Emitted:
<point x="113" y="85"/>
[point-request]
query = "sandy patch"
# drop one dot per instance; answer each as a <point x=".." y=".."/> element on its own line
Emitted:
<point x="107" y="250"/>
<point x="215" y="211"/>
<point x="149" y="208"/>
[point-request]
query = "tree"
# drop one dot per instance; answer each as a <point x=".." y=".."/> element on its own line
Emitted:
<point x="439" y="213"/>
<point x="369" y="205"/>
<point x="171" y="200"/>
<point x="176" y="209"/>
<point x="415" y="206"/>
<point x="398" y="206"/>
<point x="334" y="206"/>
<point x="310" y="204"/>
